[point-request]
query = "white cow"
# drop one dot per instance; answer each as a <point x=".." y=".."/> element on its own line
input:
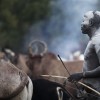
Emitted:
<point x="14" y="84"/>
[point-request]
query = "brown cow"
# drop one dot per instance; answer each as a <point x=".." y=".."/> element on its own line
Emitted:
<point x="43" y="62"/>
<point x="49" y="64"/>
<point x="20" y="62"/>
<point x="40" y="62"/>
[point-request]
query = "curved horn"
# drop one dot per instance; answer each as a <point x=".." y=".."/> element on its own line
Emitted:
<point x="37" y="47"/>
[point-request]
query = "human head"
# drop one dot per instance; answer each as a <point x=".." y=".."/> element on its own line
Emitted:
<point x="91" y="20"/>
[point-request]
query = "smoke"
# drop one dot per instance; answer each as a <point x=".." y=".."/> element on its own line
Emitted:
<point x="62" y="31"/>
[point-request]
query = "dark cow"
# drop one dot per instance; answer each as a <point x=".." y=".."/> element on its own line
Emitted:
<point x="48" y="90"/>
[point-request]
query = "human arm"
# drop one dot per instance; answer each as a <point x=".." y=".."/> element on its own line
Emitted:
<point x="95" y="73"/>
<point x="88" y="74"/>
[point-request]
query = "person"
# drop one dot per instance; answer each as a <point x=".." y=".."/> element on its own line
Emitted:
<point x="91" y="65"/>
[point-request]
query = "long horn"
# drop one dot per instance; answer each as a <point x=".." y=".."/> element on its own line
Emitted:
<point x="37" y="47"/>
<point x="78" y="82"/>
<point x="53" y="76"/>
<point x="89" y="88"/>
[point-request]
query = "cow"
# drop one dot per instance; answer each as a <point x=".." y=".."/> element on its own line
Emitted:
<point x="18" y="59"/>
<point x="14" y="83"/>
<point x="48" y="90"/>
<point x="20" y="62"/>
<point x="49" y="64"/>
<point x="40" y="62"/>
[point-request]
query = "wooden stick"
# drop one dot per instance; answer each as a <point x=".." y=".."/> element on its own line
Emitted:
<point x="78" y="82"/>
<point x="54" y="76"/>
<point x="89" y="88"/>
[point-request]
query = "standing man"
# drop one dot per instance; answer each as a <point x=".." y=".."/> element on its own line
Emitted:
<point x="91" y="65"/>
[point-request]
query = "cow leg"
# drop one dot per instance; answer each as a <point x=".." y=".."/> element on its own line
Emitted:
<point x="26" y="93"/>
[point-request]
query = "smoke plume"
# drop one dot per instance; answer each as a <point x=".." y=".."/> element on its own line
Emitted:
<point x="62" y="31"/>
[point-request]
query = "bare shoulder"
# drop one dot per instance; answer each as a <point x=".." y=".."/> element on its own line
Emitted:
<point x="96" y="40"/>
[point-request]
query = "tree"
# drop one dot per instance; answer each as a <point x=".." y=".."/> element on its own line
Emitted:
<point x="16" y="16"/>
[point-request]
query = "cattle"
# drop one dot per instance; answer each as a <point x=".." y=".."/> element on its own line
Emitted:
<point x="40" y="62"/>
<point x="49" y="64"/>
<point x="14" y="84"/>
<point x="20" y="62"/>
<point x="35" y="65"/>
<point x="48" y="90"/>
<point x="18" y="59"/>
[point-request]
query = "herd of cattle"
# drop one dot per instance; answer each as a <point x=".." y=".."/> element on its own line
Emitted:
<point x="21" y="76"/>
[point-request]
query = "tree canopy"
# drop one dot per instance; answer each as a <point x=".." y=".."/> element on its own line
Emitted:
<point x="16" y="16"/>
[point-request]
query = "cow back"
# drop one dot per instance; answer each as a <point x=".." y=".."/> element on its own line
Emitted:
<point x="12" y="80"/>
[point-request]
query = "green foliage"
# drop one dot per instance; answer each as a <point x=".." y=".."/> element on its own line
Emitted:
<point x="16" y="16"/>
